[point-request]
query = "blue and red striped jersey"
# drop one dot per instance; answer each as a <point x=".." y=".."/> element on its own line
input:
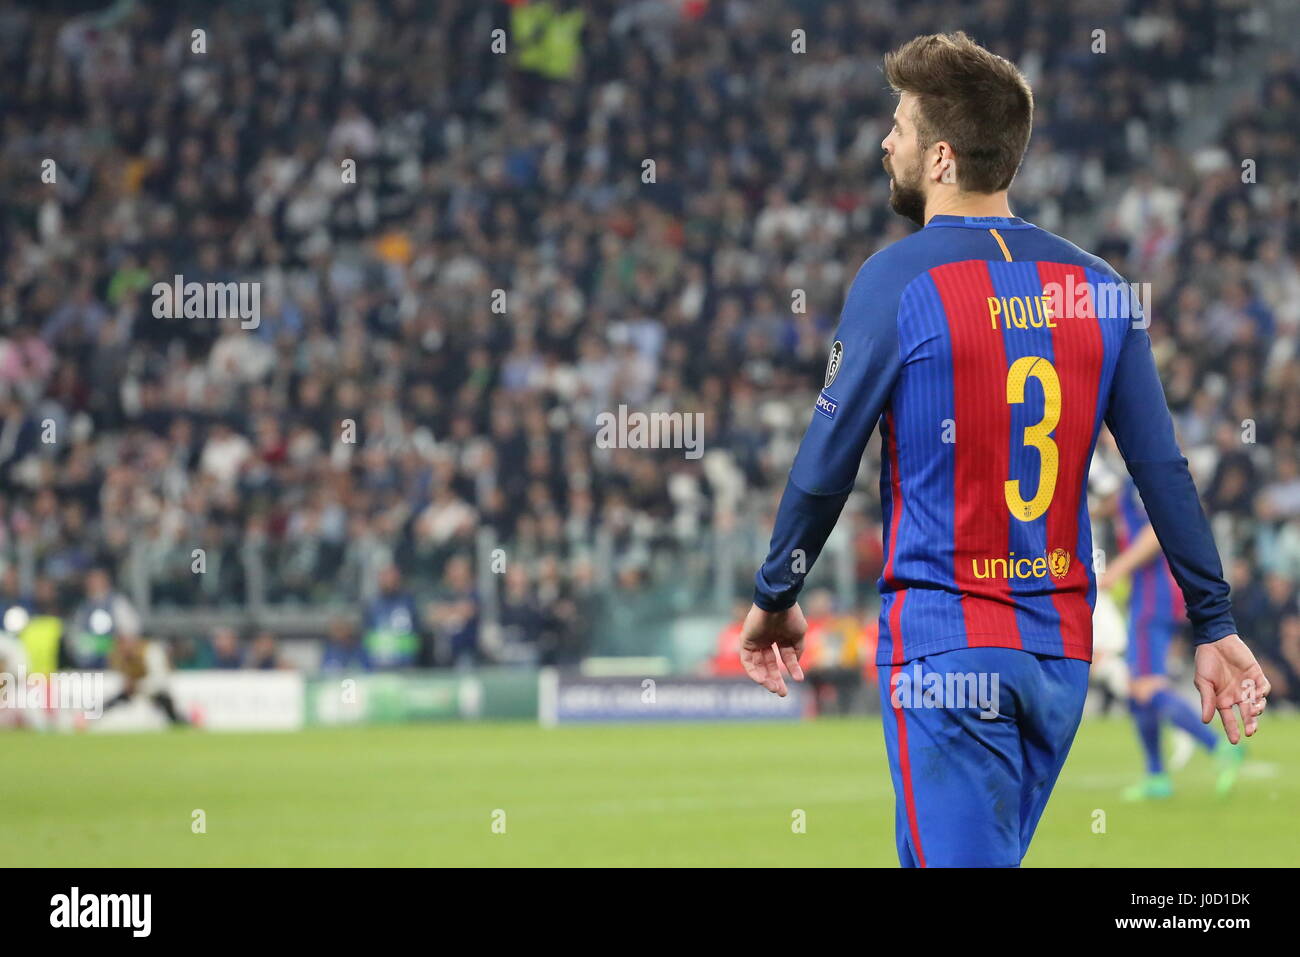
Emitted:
<point x="990" y="352"/>
<point x="1154" y="597"/>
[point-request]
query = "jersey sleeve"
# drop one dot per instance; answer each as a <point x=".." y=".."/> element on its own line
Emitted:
<point x="1138" y="417"/>
<point x="860" y="375"/>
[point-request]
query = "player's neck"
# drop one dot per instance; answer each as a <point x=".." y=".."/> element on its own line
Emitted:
<point x="968" y="204"/>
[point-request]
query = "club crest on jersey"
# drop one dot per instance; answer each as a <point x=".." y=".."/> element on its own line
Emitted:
<point x="833" y="363"/>
<point x="826" y="405"/>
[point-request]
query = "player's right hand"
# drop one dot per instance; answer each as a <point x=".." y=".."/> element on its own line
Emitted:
<point x="1227" y="674"/>
<point x="766" y="634"/>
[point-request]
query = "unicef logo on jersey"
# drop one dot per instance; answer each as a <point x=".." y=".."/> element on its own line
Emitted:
<point x="833" y="363"/>
<point x="1056" y="564"/>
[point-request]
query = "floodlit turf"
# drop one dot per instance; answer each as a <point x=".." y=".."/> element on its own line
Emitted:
<point x="614" y="795"/>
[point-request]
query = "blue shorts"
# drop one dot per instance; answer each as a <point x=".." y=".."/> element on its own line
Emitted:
<point x="976" y="738"/>
<point x="1148" y="646"/>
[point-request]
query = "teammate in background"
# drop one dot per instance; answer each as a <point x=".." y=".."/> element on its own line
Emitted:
<point x="143" y="667"/>
<point x="1156" y="614"/>
<point x="979" y="348"/>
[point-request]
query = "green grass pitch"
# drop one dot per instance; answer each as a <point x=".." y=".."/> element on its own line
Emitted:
<point x="610" y="795"/>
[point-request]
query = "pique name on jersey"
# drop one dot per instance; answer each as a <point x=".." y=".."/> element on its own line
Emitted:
<point x="826" y="405"/>
<point x="1021" y="312"/>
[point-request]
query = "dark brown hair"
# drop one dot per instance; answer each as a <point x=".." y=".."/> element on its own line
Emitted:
<point x="974" y="100"/>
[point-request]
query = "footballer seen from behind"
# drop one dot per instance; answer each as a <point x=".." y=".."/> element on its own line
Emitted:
<point x="990" y="352"/>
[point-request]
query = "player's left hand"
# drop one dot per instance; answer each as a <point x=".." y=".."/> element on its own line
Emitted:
<point x="763" y="636"/>
<point x="1227" y="674"/>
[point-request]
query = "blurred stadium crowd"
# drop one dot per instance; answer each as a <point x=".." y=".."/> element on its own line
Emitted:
<point x="523" y="171"/>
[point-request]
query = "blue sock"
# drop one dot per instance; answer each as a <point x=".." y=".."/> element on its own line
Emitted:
<point x="1148" y="726"/>
<point x="1179" y="712"/>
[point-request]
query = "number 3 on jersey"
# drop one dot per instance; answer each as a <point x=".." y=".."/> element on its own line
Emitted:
<point x="1038" y="436"/>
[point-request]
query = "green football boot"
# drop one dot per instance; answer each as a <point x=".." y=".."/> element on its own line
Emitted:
<point x="1229" y="758"/>
<point x="1154" y="787"/>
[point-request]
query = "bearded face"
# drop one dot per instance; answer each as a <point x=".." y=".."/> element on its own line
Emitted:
<point x="905" y="195"/>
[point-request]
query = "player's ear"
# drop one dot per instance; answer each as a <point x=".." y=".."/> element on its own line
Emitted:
<point x="944" y="168"/>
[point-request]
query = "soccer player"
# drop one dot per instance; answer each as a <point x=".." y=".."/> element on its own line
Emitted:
<point x="990" y="351"/>
<point x="143" y="667"/>
<point x="1155" y="616"/>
